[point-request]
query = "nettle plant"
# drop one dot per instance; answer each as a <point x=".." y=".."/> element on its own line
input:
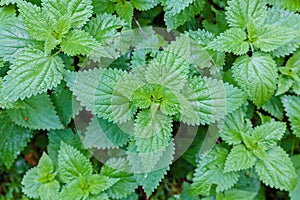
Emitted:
<point x="240" y="76"/>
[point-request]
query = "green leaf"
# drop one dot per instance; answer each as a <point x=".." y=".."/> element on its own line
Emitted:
<point x="203" y="101"/>
<point x="292" y="108"/>
<point x="209" y="171"/>
<point x="40" y="181"/>
<point x="150" y="181"/>
<point x="39" y="25"/>
<point x="104" y="26"/>
<point x="295" y="193"/>
<point x="84" y="84"/>
<point x="119" y="168"/>
<point x="234" y="126"/>
<point x="144" y="4"/>
<point x="102" y="134"/>
<point x="274" y="107"/>
<point x="67" y="136"/>
<point x="268" y="134"/>
<point x="240" y="12"/>
<point x="72" y="163"/>
<point x="174" y="7"/>
<point x="103" y="6"/>
<point x="277" y="170"/>
<point x="152" y="131"/>
<point x="284" y="18"/>
<point x="36" y="112"/>
<point x="239" y="158"/>
<point x="79" y="10"/>
<point x="84" y="187"/>
<point x="233" y="40"/>
<point x="270" y="37"/>
<point x="66" y="106"/>
<point x="78" y="42"/>
<point x="235" y="98"/>
<point x="13" y="38"/>
<point x="284" y="84"/>
<point x="125" y="10"/>
<point x="13" y="140"/>
<point x="174" y="21"/>
<point x="237" y="194"/>
<point x="32" y="73"/>
<point x="148" y="162"/>
<point x="257" y="75"/>
<point x="110" y="104"/>
<point x="167" y="71"/>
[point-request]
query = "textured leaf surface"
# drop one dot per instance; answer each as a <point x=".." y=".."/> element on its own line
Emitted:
<point x="270" y="37"/>
<point x="174" y="7"/>
<point x="257" y="75"/>
<point x="232" y="40"/>
<point x="277" y="170"/>
<point x="241" y="12"/>
<point x="84" y="84"/>
<point x="13" y="140"/>
<point x="234" y="126"/>
<point x="40" y="181"/>
<point x="13" y="38"/>
<point x="125" y="11"/>
<point x="32" y="73"/>
<point x="284" y="18"/>
<point x="274" y="106"/>
<point x="119" y="168"/>
<point x="36" y="112"/>
<point x="152" y="132"/>
<point x="292" y="108"/>
<point x="174" y="21"/>
<point x="268" y="134"/>
<point x="72" y="164"/>
<point x="109" y="102"/>
<point x="150" y="181"/>
<point x="209" y="171"/>
<point x="65" y="105"/>
<point x="39" y="25"/>
<point x="67" y="136"/>
<point x="239" y="158"/>
<point x="79" y="10"/>
<point x="78" y="42"/>
<point x="102" y="134"/>
<point x="104" y="26"/>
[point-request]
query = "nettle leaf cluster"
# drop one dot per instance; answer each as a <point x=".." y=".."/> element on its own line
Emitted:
<point x="239" y="75"/>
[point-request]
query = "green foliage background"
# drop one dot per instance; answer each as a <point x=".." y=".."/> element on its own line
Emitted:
<point x="47" y="47"/>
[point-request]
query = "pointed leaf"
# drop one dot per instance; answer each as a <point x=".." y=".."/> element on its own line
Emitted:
<point x="79" y="10"/>
<point x="240" y="12"/>
<point x="78" y="42"/>
<point x="292" y="108"/>
<point x="32" y="73"/>
<point x="257" y="75"/>
<point x="239" y="158"/>
<point x="36" y="112"/>
<point x="209" y="171"/>
<point x="104" y="26"/>
<point x="102" y="134"/>
<point x="232" y="40"/>
<point x="72" y="164"/>
<point x="277" y="170"/>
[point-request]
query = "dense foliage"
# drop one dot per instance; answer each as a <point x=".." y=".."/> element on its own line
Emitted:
<point x="97" y="102"/>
